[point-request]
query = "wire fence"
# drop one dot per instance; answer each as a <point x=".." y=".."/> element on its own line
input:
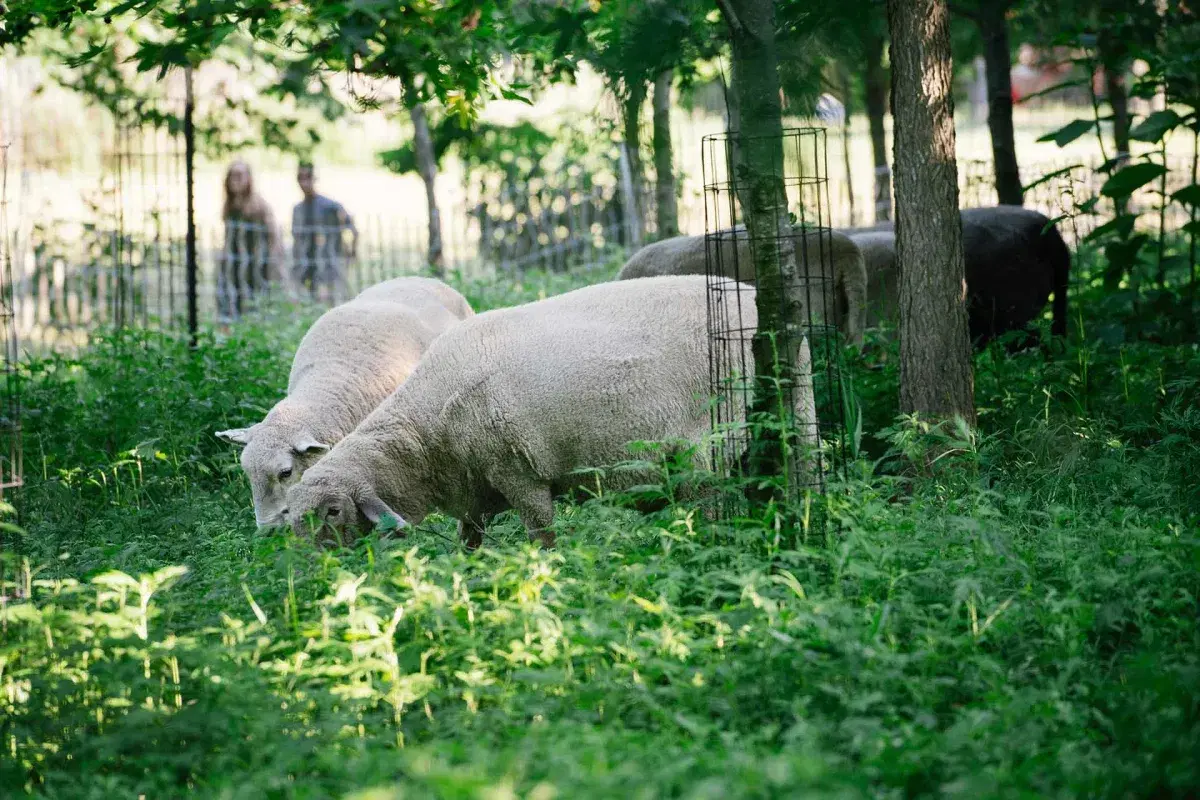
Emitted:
<point x="1069" y="193"/>
<point x="99" y="249"/>
<point x="103" y="248"/>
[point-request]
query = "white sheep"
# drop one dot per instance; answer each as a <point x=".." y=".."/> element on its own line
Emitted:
<point x="506" y="406"/>
<point x="841" y="299"/>
<point x="878" y="249"/>
<point x="348" y="362"/>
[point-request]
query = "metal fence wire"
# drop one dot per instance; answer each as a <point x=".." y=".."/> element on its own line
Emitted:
<point x="810" y="419"/>
<point x="11" y="463"/>
<point x="103" y="245"/>
<point x="252" y="265"/>
<point x="552" y="225"/>
<point x="103" y="248"/>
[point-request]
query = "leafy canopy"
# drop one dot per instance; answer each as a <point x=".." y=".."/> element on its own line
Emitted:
<point x="457" y="53"/>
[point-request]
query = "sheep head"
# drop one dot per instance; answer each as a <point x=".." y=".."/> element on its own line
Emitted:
<point x="322" y="504"/>
<point x="274" y="457"/>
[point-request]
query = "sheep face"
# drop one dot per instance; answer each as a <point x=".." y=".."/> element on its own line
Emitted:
<point x="273" y="459"/>
<point x="322" y="505"/>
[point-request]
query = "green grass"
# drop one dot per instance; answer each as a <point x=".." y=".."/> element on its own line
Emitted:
<point x="1021" y="620"/>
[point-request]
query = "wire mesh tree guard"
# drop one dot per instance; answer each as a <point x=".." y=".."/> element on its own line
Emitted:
<point x="11" y="464"/>
<point x="810" y="418"/>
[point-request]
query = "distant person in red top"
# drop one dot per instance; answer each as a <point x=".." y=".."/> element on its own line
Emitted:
<point x="319" y="247"/>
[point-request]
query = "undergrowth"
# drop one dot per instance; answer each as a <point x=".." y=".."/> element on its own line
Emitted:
<point x="1020" y="619"/>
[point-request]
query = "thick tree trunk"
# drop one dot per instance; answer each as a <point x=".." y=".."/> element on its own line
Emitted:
<point x="664" y="162"/>
<point x="993" y="28"/>
<point x="778" y="345"/>
<point x="935" y="352"/>
<point x="427" y="167"/>
<point x="877" y="91"/>
<point x="632" y="122"/>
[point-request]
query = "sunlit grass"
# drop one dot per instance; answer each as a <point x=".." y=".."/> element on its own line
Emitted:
<point x="1014" y="617"/>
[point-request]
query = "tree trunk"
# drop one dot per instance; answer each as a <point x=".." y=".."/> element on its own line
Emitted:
<point x="1118" y="98"/>
<point x="1194" y="277"/>
<point x="629" y="204"/>
<point x="993" y="28"/>
<point x="778" y="343"/>
<point x="664" y="162"/>
<point x="844" y="80"/>
<point x="1113" y="53"/>
<point x="427" y="167"/>
<point x="633" y="144"/>
<point x="877" y="91"/>
<point x="935" y="352"/>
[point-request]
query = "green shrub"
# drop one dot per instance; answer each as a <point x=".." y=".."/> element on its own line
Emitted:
<point x="1019" y="621"/>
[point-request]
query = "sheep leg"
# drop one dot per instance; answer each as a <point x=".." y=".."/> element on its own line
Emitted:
<point x="537" y="513"/>
<point x="473" y="525"/>
<point x="471" y="528"/>
<point x="534" y="503"/>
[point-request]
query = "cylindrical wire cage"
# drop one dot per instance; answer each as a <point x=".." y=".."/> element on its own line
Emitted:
<point x="11" y="464"/>
<point x="811" y="416"/>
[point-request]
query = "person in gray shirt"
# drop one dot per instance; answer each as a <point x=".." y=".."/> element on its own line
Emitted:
<point x="319" y="232"/>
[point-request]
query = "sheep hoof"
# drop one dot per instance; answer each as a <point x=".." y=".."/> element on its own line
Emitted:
<point x="545" y="538"/>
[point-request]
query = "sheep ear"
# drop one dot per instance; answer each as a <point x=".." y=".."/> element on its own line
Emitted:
<point x="239" y="436"/>
<point x="378" y="511"/>
<point x="307" y="446"/>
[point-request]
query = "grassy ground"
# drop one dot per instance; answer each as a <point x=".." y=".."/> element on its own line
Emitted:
<point x="1019" y="621"/>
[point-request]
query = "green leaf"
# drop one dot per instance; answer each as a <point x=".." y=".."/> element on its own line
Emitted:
<point x="1058" y="87"/>
<point x="114" y="579"/>
<point x="167" y="576"/>
<point x="388" y="522"/>
<point x="514" y="94"/>
<point x="1069" y="132"/>
<point x="1051" y="176"/>
<point x="1122" y="226"/>
<point x="129" y="5"/>
<point x="1154" y="127"/>
<point x="1132" y="178"/>
<point x="1125" y="253"/>
<point x="1188" y="195"/>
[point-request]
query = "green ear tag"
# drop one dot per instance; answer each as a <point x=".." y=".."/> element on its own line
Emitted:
<point x="387" y="522"/>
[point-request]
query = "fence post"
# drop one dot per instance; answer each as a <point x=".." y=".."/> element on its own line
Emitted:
<point x="189" y="143"/>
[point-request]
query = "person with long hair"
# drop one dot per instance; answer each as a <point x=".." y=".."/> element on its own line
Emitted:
<point x="253" y="252"/>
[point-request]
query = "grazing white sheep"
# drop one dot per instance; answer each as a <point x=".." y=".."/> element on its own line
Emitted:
<point x="352" y="358"/>
<point x="504" y="407"/>
<point x="837" y="295"/>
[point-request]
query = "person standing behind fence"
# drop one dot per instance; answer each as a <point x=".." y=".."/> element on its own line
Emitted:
<point x="253" y="249"/>
<point x="319" y="249"/>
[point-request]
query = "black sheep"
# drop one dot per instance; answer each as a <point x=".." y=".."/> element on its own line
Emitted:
<point x="1015" y="259"/>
